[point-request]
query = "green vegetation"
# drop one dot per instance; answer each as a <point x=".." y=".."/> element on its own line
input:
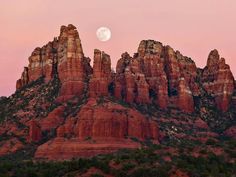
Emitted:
<point x="212" y="165"/>
<point x="149" y="161"/>
<point x="26" y="97"/>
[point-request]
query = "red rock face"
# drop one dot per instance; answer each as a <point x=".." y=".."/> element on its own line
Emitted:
<point x="189" y="72"/>
<point x="49" y="59"/>
<point x="142" y="89"/>
<point x="53" y="120"/>
<point x="151" y="53"/>
<point x="218" y="80"/>
<point x="10" y="146"/>
<point x="172" y="69"/>
<point x="34" y="131"/>
<point x="110" y="125"/>
<point x="63" y="56"/>
<point x="129" y="86"/>
<point x="64" y="149"/>
<point x="61" y="131"/>
<point x="185" y="98"/>
<point x="72" y="64"/>
<point x="153" y="75"/>
<point x="42" y="61"/>
<point x="112" y="120"/>
<point x="101" y="78"/>
<point x="35" y="65"/>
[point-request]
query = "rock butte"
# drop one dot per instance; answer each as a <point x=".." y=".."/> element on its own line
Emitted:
<point x="155" y="75"/>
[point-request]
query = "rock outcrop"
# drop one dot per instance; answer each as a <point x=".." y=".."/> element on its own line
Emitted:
<point x="101" y="77"/>
<point x="42" y="63"/>
<point x="99" y="128"/>
<point x="218" y="80"/>
<point x="154" y="75"/>
<point x="73" y="67"/>
<point x="63" y="58"/>
<point x="53" y="119"/>
<point x="64" y="149"/>
<point x="154" y="71"/>
<point x="113" y="121"/>
<point x="185" y="96"/>
<point x="35" y="133"/>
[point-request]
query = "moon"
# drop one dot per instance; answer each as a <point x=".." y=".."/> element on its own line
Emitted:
<point x="103" y="34"/>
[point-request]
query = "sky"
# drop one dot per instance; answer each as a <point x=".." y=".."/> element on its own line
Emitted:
<point x="194" y="27"/>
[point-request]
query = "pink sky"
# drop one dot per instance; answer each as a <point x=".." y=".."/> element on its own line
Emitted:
<point x="194" y="27"/>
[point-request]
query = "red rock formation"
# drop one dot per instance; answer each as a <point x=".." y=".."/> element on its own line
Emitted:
<point x="153" y="64"/>
<point x="152" y="74"/>
<point x="69" y="126"/>
<point x="35" y="65"/>
<point x="34" y="131"/>
<point x="110" y="120"/>
<point x="101" y="78"/>
<point x="108" y="124"/>
<point x="172" y="70"/>
<point x="185" y="98"/>
<point x="61" y="131"/>
<point x="150" y="53"/>
<point x="188" y="70"/>
<point x="65" y="149"/>
<point x="123" y="62"/>
<point x="218" y="80"/>
<point x="63" y="56"/>
<point x="49" y="59"/>
<point x="71" y="63"/>
<point x="141" y="79"/>
<point x="129" y="86"/>
<point x="142" y="89"/>
<point x="123" y="76"/>
<point x="156" y="74"/>
<point x="53" y="120"/>
<point x="10" y="146"/>
<point x="119" y="90"/>
<point x="41" y="63"/>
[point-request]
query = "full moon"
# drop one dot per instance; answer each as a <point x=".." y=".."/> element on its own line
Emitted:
<point x="103" y="34"/>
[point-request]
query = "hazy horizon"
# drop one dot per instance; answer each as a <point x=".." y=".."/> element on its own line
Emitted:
<point x="192" y="27"/>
